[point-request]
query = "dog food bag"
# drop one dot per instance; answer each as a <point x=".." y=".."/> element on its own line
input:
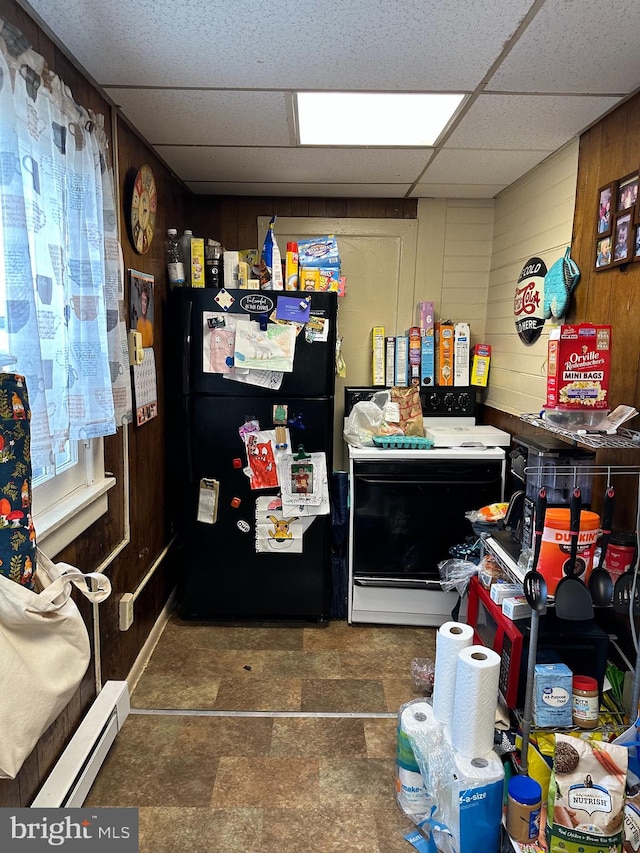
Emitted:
<point x="586" y="796"/>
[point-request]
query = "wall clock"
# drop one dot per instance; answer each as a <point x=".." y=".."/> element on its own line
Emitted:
<point x="144" y="202"/>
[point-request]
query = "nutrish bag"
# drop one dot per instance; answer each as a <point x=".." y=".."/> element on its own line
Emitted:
<point x="586" y="796"/>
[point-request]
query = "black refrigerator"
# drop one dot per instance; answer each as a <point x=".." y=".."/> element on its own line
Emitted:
<point x="224" y="574"/>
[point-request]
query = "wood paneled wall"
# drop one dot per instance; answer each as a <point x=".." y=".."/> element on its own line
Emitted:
<point x="609" y="151"/>
<point x="148" y="516"/>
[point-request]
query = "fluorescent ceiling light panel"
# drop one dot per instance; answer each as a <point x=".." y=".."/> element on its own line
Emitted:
<point x="367" y="118"/>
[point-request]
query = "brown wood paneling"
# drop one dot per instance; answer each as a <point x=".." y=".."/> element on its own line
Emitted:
<point x="609" y="151"/>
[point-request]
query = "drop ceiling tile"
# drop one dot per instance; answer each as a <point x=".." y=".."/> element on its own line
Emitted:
<point x="362" y="44"/>
<point x="308" y="165"/>
<point x="464" y="166"/>
<point x="300" y="190"/>
<point x="199" y="117"/>
<point x="590" y="46"/>
<point x="526" y="121"/>
<point x="427" y="190"/>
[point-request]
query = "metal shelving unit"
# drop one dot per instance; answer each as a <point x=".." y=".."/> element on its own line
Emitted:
<point x="518" y="572"/>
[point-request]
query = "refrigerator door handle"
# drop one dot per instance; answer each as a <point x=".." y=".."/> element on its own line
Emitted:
<point x="185" y="329"/>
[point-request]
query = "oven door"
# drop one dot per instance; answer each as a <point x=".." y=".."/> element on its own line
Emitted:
<point x="407" y="513"/>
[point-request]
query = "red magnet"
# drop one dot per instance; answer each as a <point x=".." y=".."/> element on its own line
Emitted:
<point x="235" y="503"/>
<point x="237" y="463"/>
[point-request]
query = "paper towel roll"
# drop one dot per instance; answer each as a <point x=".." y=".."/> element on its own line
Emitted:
<point x="476" y="697"/>
<point x="415" y="719"/>
<point x="450" y="639"/>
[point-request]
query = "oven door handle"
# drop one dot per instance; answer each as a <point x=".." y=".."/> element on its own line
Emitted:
<point x="394" y="480"/>
<point x="402" y="583"/>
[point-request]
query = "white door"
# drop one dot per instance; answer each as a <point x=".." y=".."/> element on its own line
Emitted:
<point x="378" y="258"/>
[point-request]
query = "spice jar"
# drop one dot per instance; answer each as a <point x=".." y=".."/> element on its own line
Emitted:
<point x="585" y="708"/>
<point x="524" y="800"/>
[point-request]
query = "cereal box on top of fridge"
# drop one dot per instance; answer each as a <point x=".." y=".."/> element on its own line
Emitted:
<point x="579" y="363"/>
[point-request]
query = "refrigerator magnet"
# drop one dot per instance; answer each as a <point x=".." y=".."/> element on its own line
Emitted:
<point x="224" y="299"/>
<point x="317" y="329"/>
<point x="208" y="500"/>
<point x="293" y="309"/>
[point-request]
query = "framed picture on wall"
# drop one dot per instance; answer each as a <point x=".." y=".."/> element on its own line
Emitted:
<point x="627" y="192"/>
<point x="603" y="252"/>
<point x="623" y="237"/>
<point x="606" y="196"/>
<point x="636" y="243"/>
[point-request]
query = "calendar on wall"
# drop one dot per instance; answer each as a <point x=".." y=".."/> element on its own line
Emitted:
<point x="145" y="388"/>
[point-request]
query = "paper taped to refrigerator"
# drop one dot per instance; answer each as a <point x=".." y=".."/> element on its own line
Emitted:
<point x="261" y="462"/>
<point x="310" y="502"/>
<point x="271" y="379"/>
<point x="271" y="349"/>
<point x="277" y="531"/>
<point x="218" y="342"/>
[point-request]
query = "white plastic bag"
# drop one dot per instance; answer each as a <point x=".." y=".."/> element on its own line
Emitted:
<point x="367" y="419"/>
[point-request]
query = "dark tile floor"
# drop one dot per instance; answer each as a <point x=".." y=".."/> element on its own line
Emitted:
<point x="303" y="758"/>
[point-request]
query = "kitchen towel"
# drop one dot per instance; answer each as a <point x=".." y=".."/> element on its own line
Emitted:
<point x="476" y="699"/>
<point x="451" y="638"/>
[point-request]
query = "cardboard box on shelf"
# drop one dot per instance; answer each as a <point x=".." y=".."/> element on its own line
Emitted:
<point x="402" y="361"/>
<point x="445" y="339"/>
<point x="480" y="365"/>
<point x="578" y="367"/>
<point x="462" y="346"/>
<point x="390" y="361"/>
<point x="377" y="351"/>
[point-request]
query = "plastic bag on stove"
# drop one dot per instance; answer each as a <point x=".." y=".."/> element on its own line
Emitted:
<point x="367" y="419"/>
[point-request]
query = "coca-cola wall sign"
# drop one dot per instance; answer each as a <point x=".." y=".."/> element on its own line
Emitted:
<point x="528" y="302"/>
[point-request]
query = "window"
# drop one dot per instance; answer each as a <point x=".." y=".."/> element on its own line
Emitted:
<point x="58" y="284"/>
<point x="70" y="495"/>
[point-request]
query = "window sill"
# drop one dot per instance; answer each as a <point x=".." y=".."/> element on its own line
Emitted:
<point x="60" y="524"/>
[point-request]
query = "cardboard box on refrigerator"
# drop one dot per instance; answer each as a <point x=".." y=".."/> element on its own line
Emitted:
<point x="197" y="262"/>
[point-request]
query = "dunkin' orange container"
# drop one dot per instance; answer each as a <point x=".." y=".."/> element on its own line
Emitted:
<point x="555" y="547"/>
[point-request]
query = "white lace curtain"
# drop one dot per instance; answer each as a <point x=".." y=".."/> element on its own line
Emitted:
<point x="58" y="251"/>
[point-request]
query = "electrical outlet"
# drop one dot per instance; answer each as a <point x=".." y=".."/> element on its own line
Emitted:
<point x="126" y="611"/>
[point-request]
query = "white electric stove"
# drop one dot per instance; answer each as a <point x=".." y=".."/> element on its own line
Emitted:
<point x="408" y="508"/>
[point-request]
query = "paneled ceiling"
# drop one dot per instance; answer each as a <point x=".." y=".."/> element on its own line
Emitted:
<point x="209" y="84"/>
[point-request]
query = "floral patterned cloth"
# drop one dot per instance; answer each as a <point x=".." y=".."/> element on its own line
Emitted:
<point x="17" y="534"/>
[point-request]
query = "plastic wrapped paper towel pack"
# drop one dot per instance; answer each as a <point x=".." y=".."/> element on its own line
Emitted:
<point x="455" y="800"/>
<point x="461" y="804"/>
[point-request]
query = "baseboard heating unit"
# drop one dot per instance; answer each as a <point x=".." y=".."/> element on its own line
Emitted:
<point x="70" y="780"/>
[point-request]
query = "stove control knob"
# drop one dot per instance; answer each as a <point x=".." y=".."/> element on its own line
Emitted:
<point x="449" y="402"/>
<point x="464" y="400"/>
<point x="433" y="401"/>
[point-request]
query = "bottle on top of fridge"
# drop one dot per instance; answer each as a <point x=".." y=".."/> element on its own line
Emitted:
<point x="175" y="262"/>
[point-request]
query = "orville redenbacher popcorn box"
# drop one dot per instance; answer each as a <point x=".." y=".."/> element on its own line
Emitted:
<point x="578" y="367"/>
